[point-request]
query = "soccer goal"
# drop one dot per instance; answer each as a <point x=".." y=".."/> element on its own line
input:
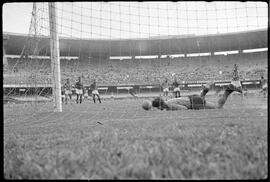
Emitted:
<point x="132" y="44"/>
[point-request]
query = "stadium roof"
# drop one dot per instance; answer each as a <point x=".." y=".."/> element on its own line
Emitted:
<point x="152" y="46"/>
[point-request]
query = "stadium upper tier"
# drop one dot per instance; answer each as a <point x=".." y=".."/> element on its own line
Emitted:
<point x="135" y="47"/>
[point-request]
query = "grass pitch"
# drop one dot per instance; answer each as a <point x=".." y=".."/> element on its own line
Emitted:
<point x="119" y="140"/>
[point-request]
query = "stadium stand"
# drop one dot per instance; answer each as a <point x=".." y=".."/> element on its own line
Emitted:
<point x="145" y="71"/>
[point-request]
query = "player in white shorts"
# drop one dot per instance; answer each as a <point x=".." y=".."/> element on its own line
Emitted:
<point x="195" y="102"/>
<point x="165" y="86"/>
<point x="95" y="92"/>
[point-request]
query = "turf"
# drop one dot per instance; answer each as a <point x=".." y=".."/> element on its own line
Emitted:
<point x="119" y="140"/>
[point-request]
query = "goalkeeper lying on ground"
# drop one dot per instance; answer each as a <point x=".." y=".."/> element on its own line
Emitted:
<point x="194" y="101"/>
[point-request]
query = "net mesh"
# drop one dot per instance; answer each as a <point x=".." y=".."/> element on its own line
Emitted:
<point x="110" y="42"/>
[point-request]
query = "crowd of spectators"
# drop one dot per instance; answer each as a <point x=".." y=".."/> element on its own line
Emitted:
<point x="144" y="71"/>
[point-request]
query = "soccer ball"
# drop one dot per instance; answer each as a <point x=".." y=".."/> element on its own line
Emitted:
<point x="147" y="105"/>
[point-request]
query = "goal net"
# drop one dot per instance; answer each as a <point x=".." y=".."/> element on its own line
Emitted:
<point x="132" y="47"/>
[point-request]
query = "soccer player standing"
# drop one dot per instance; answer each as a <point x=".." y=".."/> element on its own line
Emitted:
<point x="176" y="89"/>
<point x="264" y="86"/>
<point x="95" y="92"/>
<point x="165" y="86"/>
<point x="85" y="93"/>
<point x="79" y="90"/>
<point x="236" y="79"/>
<point x="67" y="89"/>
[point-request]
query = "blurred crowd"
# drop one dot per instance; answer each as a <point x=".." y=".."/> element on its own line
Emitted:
<point x="144" y="71"/>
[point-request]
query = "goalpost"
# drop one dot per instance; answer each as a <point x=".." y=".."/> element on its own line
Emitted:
<point x="55" y="58"/>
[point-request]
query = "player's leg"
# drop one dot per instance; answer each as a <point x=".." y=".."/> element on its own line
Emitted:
<point x="81" y="96"/>
<point x="164" y="92"/>
<point x="70" y="96"/>
<point x="63" y="97"/>
<point x="97" y="94"/>
<point x="175" y="93"/>
<point x="167" y="92"/>
<point x="98" y="98"/>
<point x="230" y="88"/>
<point x="238" y="86"/>
<point x="85" y="95"/>
<point x="77" y="95"/>
<point x="177" y="90"/>
<point x="179" y="93"/>
<point x="94" y="97"/>
<point x="66" y="98"/>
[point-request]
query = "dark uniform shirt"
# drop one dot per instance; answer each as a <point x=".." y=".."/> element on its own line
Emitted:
<point x="79" y="85"/>
<point x="67" y="86"/>
<point x="93" y="86"/>
<point x="175" y="84"/>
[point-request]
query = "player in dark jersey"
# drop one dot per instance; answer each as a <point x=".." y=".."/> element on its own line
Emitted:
<point x="95" y="92"/>
<point x="194" y="101"/>
<point x="67" y="90"/>
<point x="79" y="90"/>
<point x="264" y="86"/>
<point x="176" y="89"/>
